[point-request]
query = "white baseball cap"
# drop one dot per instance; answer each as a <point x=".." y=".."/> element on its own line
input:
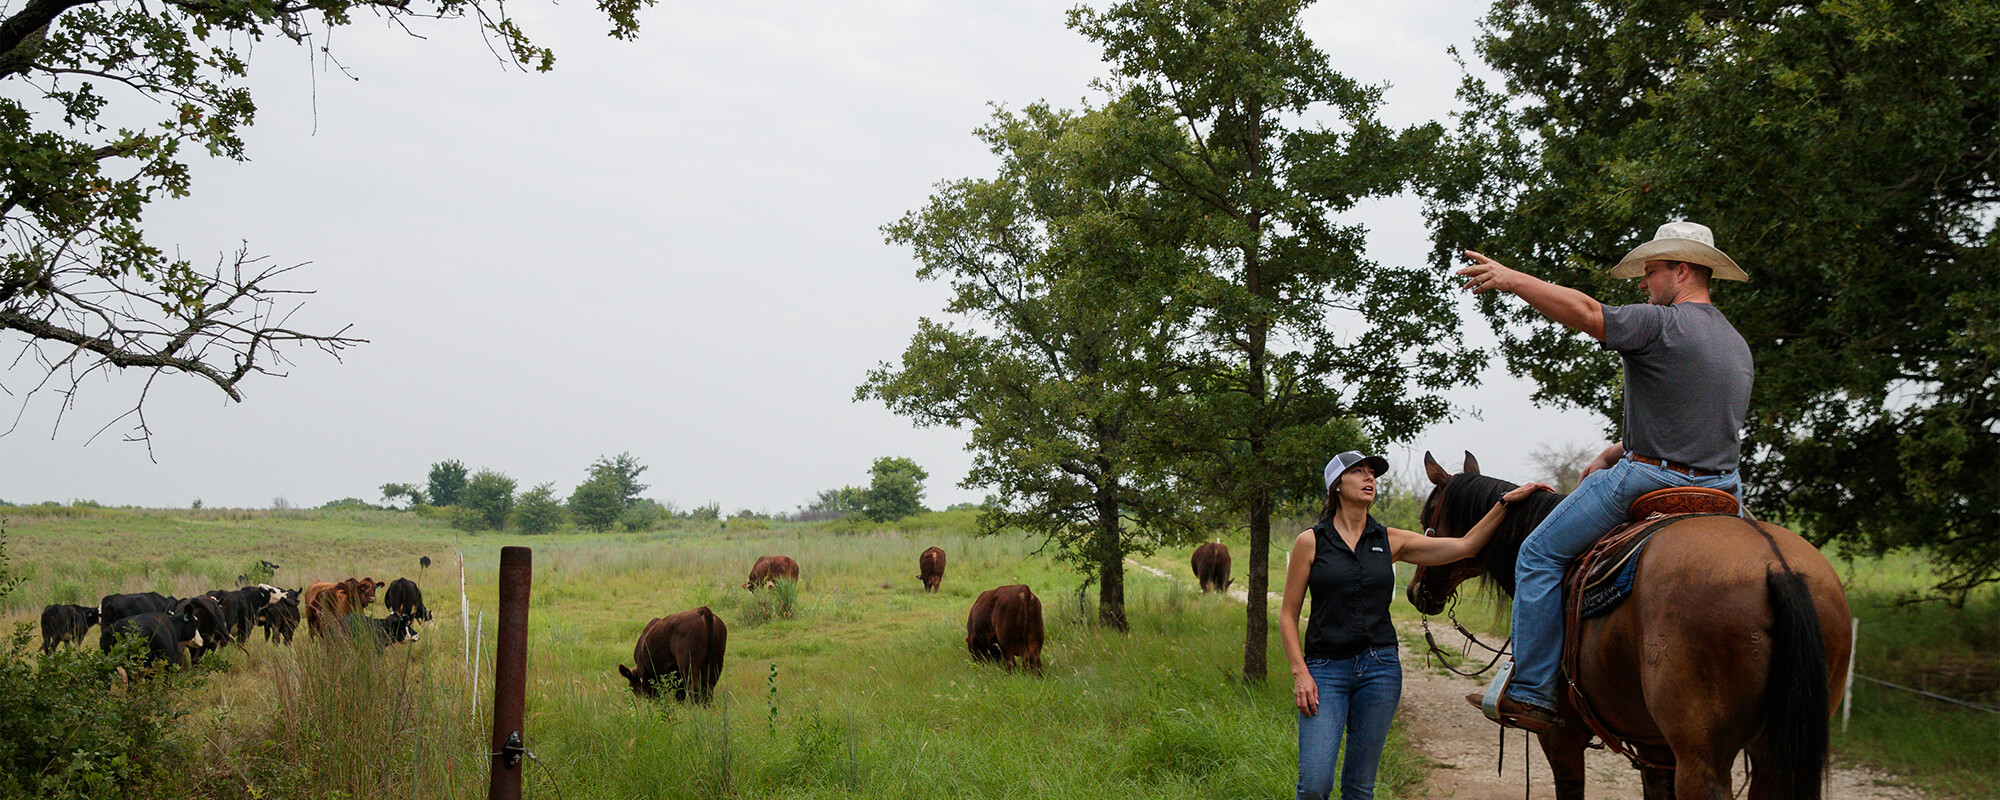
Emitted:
<point x="1349" y="460"/>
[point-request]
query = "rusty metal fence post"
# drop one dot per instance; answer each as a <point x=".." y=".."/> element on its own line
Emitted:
<point x="510" y="673"/>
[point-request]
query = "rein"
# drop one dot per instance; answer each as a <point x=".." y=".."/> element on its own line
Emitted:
<point x="1439" y="655"/>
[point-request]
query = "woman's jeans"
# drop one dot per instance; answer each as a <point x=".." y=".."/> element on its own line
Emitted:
<point x="1358" y="696"/>
<point x="1597" y="506"/>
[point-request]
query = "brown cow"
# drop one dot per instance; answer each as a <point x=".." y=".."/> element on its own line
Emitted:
<point x="325" y="601"/>
<point x="930" y="568"/>
<point x="1006" y="626"/>
<point x="685" y="650"/>
<point x="1211" y="567"/>
<point x="769" y="569"/>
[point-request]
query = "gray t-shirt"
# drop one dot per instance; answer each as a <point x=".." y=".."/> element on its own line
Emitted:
<point x="1687" y="382"/>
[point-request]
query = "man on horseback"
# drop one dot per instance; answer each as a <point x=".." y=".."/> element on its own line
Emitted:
<point x="1687" y="390"/>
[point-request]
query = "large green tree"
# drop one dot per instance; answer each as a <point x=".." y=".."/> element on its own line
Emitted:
<point x="1063" y="269"/>
<point x="103" y="102"/>
<point x="1297" y="329"/>
<point x="1844" y="154"/>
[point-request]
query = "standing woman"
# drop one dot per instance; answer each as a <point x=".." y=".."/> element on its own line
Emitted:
<point x="1345" y="674"/>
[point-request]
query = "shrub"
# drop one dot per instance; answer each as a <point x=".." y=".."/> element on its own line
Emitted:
<point x="492" y="495"/>
<point x="596" y="504"/>
<point x="538" y="511"/>
<point x="643" y="515"/>
<point x="63" y="735"/>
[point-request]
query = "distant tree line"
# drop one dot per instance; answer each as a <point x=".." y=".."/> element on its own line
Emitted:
<point x="607" y="499"/>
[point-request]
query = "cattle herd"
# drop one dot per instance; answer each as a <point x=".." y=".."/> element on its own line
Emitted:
<point x="681" y="653"/>
<point x="181" y="630"/>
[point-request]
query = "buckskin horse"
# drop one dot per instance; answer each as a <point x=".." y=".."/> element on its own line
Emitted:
<point x="1734" y="638"/>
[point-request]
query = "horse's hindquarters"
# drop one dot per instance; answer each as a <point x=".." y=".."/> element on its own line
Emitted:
<point x="1688" y="658"/>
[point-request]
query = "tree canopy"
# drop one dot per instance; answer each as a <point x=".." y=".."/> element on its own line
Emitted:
<point x="1844" y="154"/>
<point x="82" y="287"/>
<point x="1301" y="342"/>
<point x="1063" y="274"/>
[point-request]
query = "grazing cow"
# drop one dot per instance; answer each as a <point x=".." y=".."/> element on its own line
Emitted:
<point x="403" y="597"/>
<point x="115" y="607"/>
<point x="163" y="632"/>
<point x="392" y="629"/>
<point x="66" y="623"/>
<point x="769" y="569"/>
<point x="930" y="568"/>
<point x="685" y="650"/>
<point x="1211" y="567"/>
<point x="211" y="621"/>
<point x="281" y="618"/>
<point x="1006" y="626"/>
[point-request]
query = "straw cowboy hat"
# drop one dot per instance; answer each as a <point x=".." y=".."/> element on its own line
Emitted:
<point x="1680" y="241"/>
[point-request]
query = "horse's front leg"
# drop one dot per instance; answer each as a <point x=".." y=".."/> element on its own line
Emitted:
<point x="1563" y="746"/>
<point x="1659" y="781"/>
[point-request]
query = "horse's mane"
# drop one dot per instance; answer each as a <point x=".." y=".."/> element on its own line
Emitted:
<point x="1465" y="499"/>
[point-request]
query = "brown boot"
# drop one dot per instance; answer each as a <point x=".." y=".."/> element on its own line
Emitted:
<point x="1516" y="714"/>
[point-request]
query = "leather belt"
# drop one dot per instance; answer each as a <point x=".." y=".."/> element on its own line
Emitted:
<point x="1692" y="472"/>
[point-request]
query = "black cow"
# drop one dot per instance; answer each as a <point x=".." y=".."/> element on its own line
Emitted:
<point x="164" y="633"/>
<point x="403" y="597"/>
<point x="240" y="607"/>
<point x="64" y="623"/>
<point x="392" y="629"/>
<point x="115" y="607"/>
<point x="214" y="626"/>
<point x="281" y="618"/>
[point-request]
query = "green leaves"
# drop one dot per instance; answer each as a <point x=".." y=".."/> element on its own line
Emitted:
<point x="1842" y="152"/>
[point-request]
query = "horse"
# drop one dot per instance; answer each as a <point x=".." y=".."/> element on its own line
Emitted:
<point x="1734" y="638"/>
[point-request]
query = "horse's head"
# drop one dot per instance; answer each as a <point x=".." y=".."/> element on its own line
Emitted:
<point x="1433" y="587"/>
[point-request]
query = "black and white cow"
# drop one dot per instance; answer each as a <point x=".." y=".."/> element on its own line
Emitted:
<point x="403" y="597"/>
<point x="241" y="606"/>
<point x="281" y="618"/>
<point x="166" y="634"/>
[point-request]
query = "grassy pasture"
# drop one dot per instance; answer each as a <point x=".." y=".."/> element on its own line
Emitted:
<point x="864" y="691"/>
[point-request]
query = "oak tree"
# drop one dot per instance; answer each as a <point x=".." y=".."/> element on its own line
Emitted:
<point x="1845" y="155"/>
<point x="1298" y="332"/>
<point x="1063" y="270"/>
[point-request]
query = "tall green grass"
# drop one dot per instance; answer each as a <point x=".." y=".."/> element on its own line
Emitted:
<point x="863" y="690"/>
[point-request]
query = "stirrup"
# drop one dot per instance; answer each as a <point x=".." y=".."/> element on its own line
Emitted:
<point x="1490" y="705"/>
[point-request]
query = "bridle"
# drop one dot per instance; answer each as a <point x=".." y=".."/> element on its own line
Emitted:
<point x="1429" y="518"/>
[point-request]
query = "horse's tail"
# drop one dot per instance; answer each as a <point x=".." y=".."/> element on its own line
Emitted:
<point x="1796" y="726"/>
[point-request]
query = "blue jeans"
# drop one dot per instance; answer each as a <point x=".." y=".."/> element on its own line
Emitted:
<point x="1357" y="695"/>
<point x="1597" y="506"/>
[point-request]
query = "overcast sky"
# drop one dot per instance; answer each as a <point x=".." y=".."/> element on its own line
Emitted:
<point x="668" y="246"/>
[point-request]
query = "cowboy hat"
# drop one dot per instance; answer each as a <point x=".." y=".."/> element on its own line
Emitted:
<point x="1680" y="241"/>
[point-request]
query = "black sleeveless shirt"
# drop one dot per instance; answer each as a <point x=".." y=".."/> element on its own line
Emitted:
<point x="1350" y="592"/>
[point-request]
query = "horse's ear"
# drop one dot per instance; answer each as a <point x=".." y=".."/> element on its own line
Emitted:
<point x="1431" y="470"/>
<point x="1471" y="464"/>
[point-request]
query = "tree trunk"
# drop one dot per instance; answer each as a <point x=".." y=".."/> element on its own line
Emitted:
<point x="1110" y="562"/>
<point x="1256" y="628"/>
